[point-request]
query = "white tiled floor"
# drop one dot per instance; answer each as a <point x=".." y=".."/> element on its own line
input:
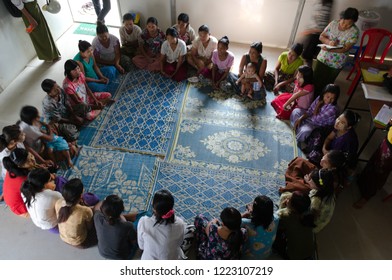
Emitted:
<point x="352" y="234"/>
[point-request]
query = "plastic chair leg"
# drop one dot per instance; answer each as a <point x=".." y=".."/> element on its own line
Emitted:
<point x="349" y="74"/>
<point x="354" y="83"/>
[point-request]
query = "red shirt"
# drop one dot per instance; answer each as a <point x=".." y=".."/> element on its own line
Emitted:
<point x="12" y="196"/>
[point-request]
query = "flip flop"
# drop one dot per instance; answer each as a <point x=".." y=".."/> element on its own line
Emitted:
<point x="193" y="79"/>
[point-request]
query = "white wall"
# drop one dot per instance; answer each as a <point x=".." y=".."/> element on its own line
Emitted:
<point x="160" y="9"/>
<point x="16" y="49"/>
<point x="244" y="21"/>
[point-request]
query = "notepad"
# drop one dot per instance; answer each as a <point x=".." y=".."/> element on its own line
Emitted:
<point x="384" y="115"/>
<point x="330" y="47"/>
<point x="376" y="92"/>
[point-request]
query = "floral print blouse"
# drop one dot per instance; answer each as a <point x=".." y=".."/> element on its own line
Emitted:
<point x="347" y="37"/>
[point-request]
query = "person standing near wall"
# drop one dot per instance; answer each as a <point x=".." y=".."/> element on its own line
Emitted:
<point x="101" y="13"/>
<point x="321" y="15"/>
<point x="40" y="35"/>
<point x="343" y="33"/>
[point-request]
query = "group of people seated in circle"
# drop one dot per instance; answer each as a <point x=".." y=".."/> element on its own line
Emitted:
<point x="31" y="149"/>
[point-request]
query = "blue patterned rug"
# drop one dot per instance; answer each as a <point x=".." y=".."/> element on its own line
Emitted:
<point x="207" y="191"/>
<point x="144" y="117"/>
<point x="89" y="131"/>
<point x="105" y="172"/>
<point x="223" y="132"/>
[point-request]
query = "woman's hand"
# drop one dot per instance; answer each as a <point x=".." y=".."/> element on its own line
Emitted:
<point x="33" y="23"/>
<point x="307" y="178"/>
<point x="99" y="104"/>
<point x="310" y="182"/>
<point x="297" y="123"/>
<point x="104" y="80"/>
<point x="119" y="68"/>
<point x="248" y="212"/>
<point x="49" y="163"/>
<point x="277" y="87"/>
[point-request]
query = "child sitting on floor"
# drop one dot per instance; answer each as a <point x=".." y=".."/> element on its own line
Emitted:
<point x="301" y="97"/>
<point x="247" y="80"/>
<point x="38" y="132"/>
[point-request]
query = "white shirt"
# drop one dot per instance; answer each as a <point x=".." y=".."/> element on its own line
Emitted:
<point x="133" y="37"/>
<point x="173" y="56"/>
<point x="5" y="153"/>
<point x="160" y="242"/>
<point x="19" y="3"/>
<point x="42" y="211"/>
<point x="205" y="51"/>
<point x="104" y="53"/>
<point x="32" y="136"/>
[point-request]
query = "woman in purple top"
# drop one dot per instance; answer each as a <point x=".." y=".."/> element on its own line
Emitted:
<point x="342" y="138"/>
<point x="322" y="112"/>
<point x="222" y="60"/>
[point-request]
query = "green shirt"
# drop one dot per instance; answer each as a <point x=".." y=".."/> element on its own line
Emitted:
<point x="287" y="68"/>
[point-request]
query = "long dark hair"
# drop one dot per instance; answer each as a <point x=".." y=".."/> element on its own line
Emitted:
<point x="341" y="161"/>
<point x="351" y="117"/>
<point x="111" y="208"/>
<point x="323" y="180"/>
<point x="70" y="65"/>
<point x="225" y="41"/>
<point x="83" y="45"/>
<point x="258" y="46"/>
<point x="307" y="73"/>
<point x="331" y="88"/>
<point x="300" y="204"/>
<point x="101" y="28"/>
<point x="263" y="211"/>
<point x="163" y="203"/>
<point x="72" y="191"/>
<point x="10" y="133"/>
<point x="28" y="114"/>
<point x="47" y="85"/>
<point x="14" y="160"/>
<point x="34" y="184"/>
<point x="231" y="218"/>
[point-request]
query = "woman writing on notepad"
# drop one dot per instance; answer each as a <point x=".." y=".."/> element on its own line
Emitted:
<point x="330" y="62"/>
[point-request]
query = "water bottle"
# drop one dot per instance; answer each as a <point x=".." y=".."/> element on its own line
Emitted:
<point x="256" y="86"/>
